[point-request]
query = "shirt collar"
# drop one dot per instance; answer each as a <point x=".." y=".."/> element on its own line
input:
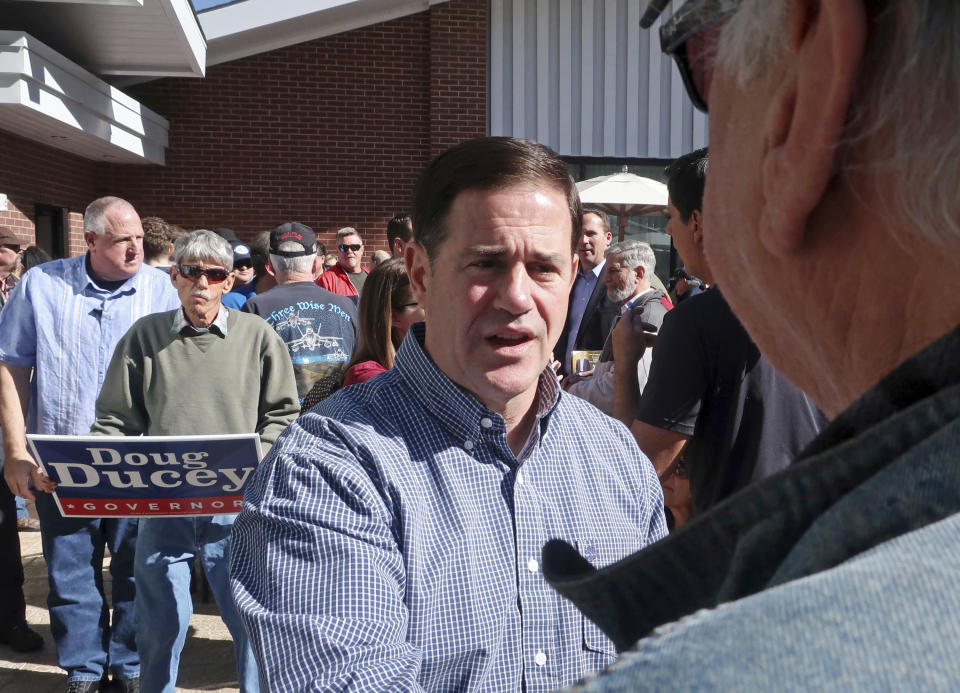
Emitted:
<point x="218" y="326"/>
<point x="596" y="271"/>
<point x="131" y="285"/>
<point x="797" y="523"/>
<point x="461" y="414"/>
<point x="628" y="305"/>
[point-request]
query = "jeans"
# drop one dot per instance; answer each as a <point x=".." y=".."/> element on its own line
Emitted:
<point x="166" y="548"/>
<point x="88" y="644"/>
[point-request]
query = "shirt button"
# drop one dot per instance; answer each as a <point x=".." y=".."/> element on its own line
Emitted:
<point x="540" y="658"/>
<point x="519" y="478"/>
<point x="532" y="565"/>
<point x="468" y="445"/>
<point x="486" y="422"/>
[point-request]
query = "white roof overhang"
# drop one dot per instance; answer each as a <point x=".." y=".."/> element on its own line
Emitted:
<point x="141" y="38"/>
<point x="251" y="27"/>
<point x="47" y="98"/>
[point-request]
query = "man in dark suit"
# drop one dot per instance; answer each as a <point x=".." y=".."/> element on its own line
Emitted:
<point x="590" y="314"/>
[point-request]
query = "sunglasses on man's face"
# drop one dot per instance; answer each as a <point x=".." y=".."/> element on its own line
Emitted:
<point x="214" y="275"/>
<point x="691" y="36"/>
<point x="355" y="247"/>
<point x="242" y="265"/>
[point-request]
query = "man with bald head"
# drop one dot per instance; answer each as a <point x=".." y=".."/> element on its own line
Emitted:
<point x="832" y="222"/>
<point x="64" y="322"/>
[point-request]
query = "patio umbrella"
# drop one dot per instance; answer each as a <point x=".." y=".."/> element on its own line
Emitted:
<point x="624" y="195"/>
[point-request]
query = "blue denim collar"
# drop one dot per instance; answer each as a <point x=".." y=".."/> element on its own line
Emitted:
<point x="844" y="496"/>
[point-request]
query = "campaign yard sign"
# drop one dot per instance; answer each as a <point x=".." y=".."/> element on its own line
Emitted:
<point x="147" y="476"/>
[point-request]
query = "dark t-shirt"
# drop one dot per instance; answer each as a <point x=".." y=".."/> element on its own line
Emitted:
<point x="708" y="380"/>
<point x="358" y="279"/>
<point x="318" y="327"/>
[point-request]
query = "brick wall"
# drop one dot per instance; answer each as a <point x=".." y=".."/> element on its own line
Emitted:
<point x="458" y="73"/>
<point x="34" y="174"/>
<point x="331" y="132"/>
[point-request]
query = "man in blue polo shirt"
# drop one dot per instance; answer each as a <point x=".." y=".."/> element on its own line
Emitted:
<point x="63" y="320"/>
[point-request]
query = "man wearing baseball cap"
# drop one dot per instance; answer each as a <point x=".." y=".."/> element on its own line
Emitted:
<point x="243" y="275"/>
<point x="9" y="259"/>
<point x="318" y="326"/>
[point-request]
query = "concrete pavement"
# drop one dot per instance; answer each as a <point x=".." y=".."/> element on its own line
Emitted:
<point x="207" y="663"/>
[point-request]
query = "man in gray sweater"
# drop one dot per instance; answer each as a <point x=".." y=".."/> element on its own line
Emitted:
<point x="198" y="370"/>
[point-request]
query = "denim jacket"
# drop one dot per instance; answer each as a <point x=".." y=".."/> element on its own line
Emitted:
<point x="839" y="573"/>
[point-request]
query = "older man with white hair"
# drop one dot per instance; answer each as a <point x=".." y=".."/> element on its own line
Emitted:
<point x="198" y="370"/>
<point x="832" y="192"/>
<point x="626" y="275"/>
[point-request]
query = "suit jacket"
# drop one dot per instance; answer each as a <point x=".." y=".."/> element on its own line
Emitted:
<point x="597" y="320"/>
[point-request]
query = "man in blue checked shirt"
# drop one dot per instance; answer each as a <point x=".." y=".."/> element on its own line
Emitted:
<point x="63" y="320"/>
<point x="391" y="540"/>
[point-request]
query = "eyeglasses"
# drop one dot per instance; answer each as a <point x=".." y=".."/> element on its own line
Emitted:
<point x="354" y="247"/>
<point x="214" y="275"/>
<point x="691" y="37"/>
<point x="243" y="264"/>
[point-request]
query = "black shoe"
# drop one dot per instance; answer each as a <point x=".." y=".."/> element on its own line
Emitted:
<point x="125" y="685"/>
<point x="83" y="686"/>
<point x="19" y="638"/>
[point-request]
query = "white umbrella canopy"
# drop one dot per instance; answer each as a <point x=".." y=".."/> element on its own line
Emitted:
<point x="624" y="195"/>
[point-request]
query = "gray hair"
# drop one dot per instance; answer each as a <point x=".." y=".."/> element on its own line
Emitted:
<point x="635" y="254"/>
<point x="286" y="265"/>
<point x="203" y="245"/>
<point x="347" y="231"/>
<point x="905" y="99"/>
<point x="94" y="217"/>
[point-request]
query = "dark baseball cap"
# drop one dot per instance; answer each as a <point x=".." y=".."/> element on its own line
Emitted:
<point x="292" y="231"/>
<point x="8" y="237"/>
<point x="241" y="251"/>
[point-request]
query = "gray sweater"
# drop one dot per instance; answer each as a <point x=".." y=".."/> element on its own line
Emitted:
<point x="164" y="383"/>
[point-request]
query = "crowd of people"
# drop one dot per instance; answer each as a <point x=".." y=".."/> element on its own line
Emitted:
<point x="452" y="500"/>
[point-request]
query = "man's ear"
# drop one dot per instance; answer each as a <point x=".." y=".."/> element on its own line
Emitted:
<point x="228" y="282"/>
<point x="824" y="46"/>
<point x="695" y="222"/>
<point x="640" y="271"/>
<point x="89" y="237"/>
<point x="418" y="269"/>
<point x="268" y="268"/>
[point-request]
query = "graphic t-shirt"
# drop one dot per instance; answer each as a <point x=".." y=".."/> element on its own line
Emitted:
<point x="318" y="326"/>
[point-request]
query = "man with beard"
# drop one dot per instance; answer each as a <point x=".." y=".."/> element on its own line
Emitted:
<point x="627" y="271"/>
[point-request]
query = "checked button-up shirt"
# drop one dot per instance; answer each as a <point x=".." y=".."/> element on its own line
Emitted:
<point x="391" y="540"/>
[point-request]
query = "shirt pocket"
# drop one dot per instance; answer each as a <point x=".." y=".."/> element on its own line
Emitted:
<point x="599" y="552"/>
<point x="595" y="641"/>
